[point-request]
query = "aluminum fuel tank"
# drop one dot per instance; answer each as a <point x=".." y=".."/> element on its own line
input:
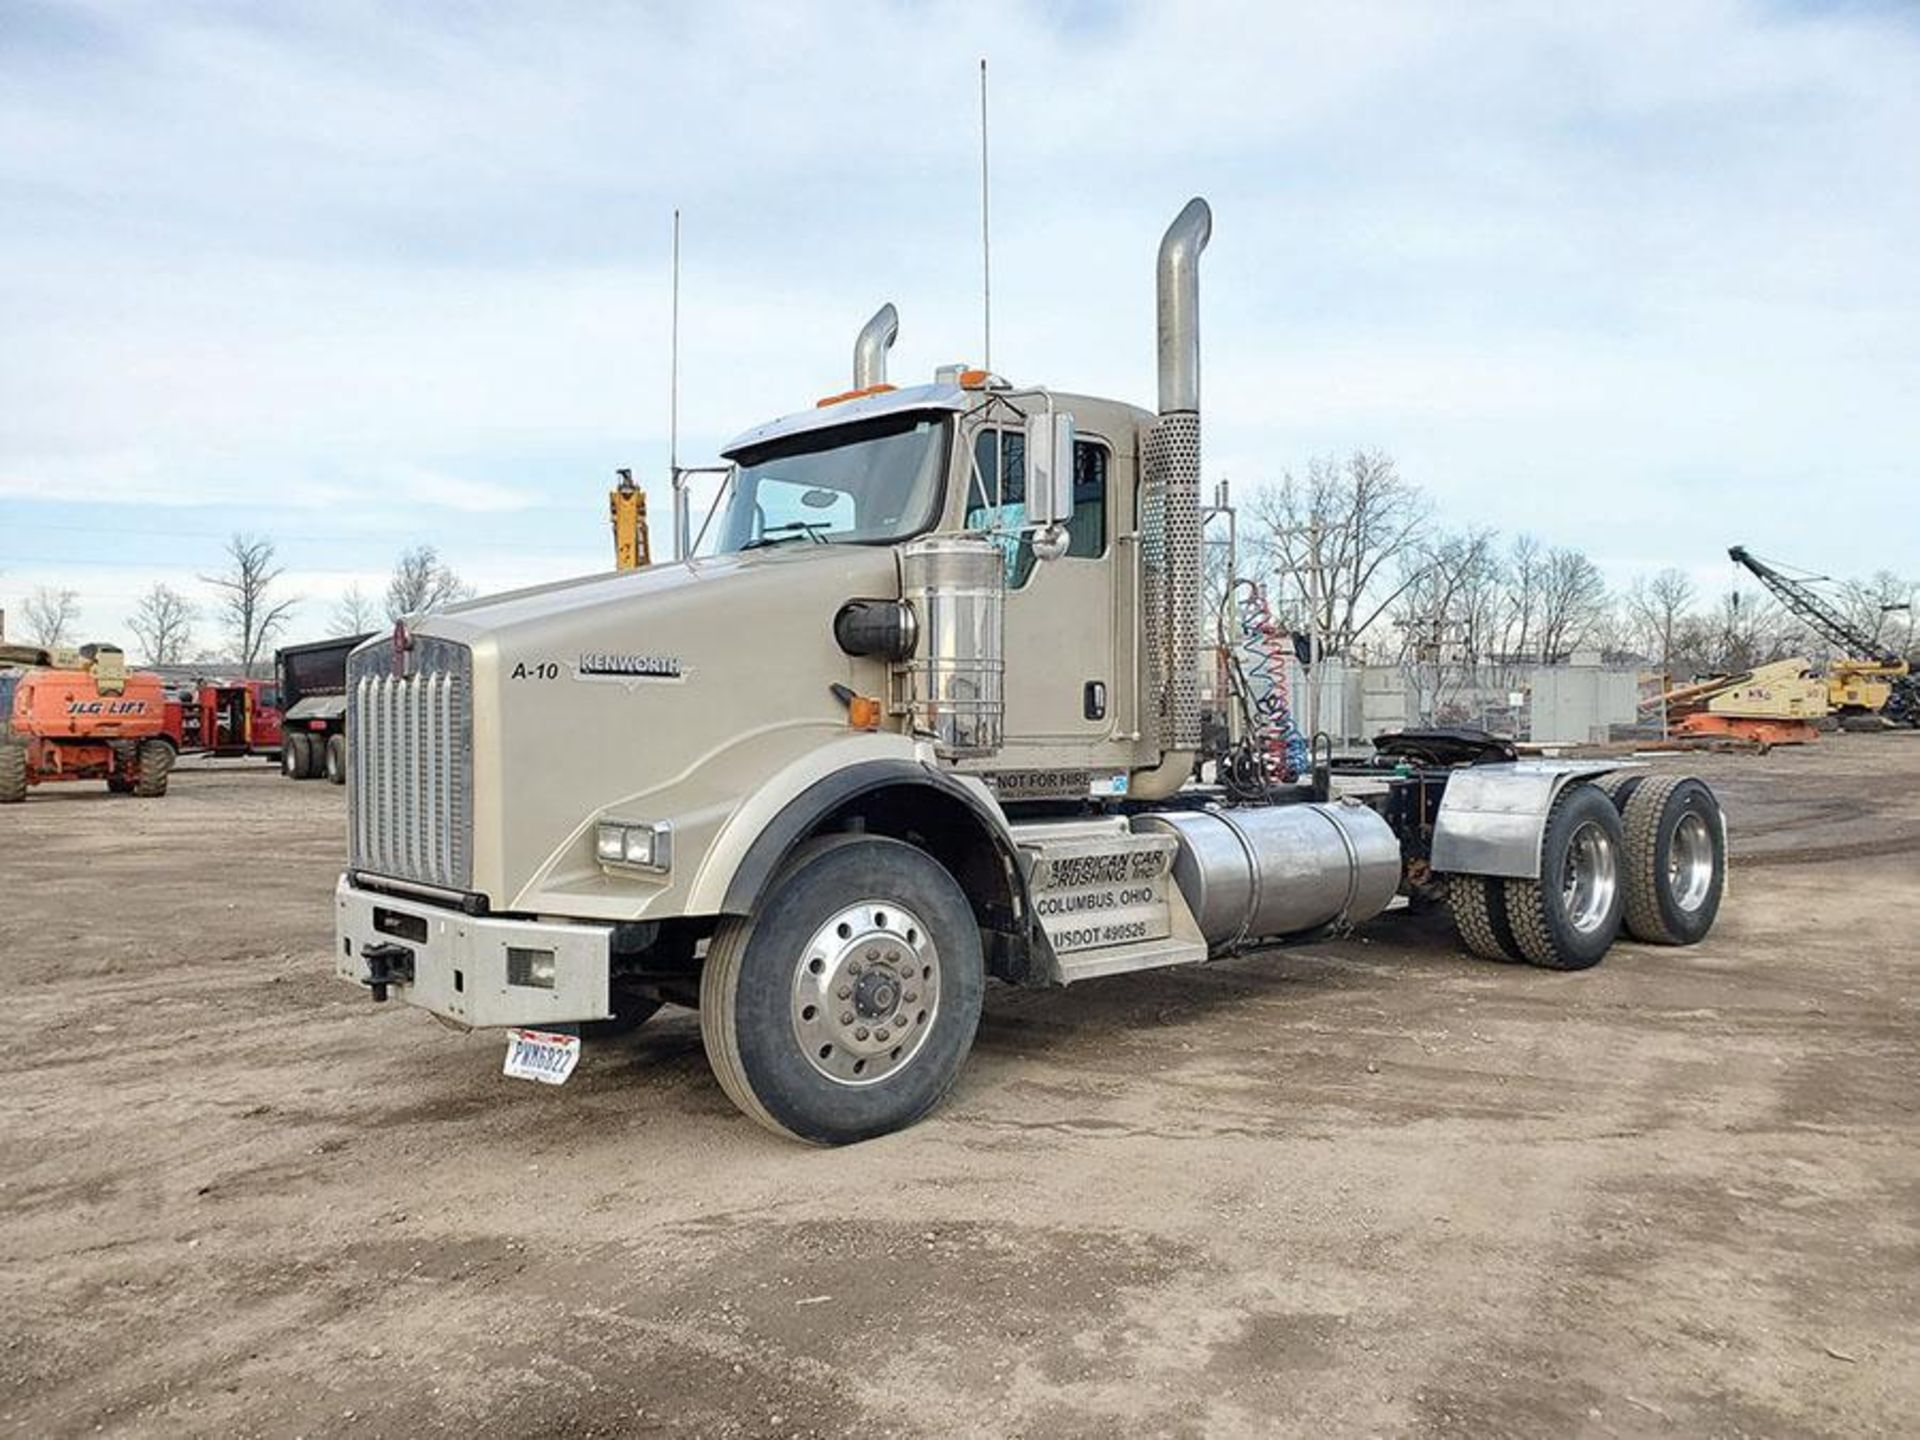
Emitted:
<point x="1264" y="872"/>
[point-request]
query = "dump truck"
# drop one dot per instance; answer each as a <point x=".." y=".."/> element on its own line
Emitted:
<point x="312" y="683"/>
<point x="921" y="711"/>
<point x="80" y="714"/>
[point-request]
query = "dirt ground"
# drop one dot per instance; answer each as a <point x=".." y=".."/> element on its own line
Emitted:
<point x="1372" y="1186"/>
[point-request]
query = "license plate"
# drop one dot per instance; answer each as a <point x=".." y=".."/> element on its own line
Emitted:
<point x="541" y="1055"/>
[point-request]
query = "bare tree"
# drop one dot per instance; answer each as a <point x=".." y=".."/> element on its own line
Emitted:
<point x="422" y="581"/>
<point x="163" y="622"/>
<point x="1334" y="539"/>
<point x="1751" y="630"/>
<point x="1446" y="613"/>
<point x="1520" y="610"/>
<point x="1657" y="607"/>
<point x="355" y="612"/>
<point x="1883" y="607"/>
<point x="1449" y="600"/>
<point x="1574" y="607"/>
<point x="251" y="615"/>
<point x="50" y="613"/>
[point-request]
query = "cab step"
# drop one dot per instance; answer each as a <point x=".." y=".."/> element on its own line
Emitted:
<point x="1106" y="899"/>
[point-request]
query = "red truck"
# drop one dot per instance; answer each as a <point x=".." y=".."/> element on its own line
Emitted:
<point x="225" y="717"/>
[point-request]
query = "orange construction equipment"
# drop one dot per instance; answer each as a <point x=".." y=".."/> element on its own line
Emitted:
<point x="1775" y="704"/>
<point x="79" y="715"/>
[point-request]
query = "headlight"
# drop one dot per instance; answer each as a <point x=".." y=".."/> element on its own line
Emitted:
<point x="640" y="847"/>
<point x="635" y="844"/>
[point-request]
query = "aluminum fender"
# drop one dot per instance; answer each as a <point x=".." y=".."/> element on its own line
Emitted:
<point x="1492" y="817"/>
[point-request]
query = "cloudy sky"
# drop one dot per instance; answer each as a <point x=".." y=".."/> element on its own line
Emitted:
<point x="1640" y="277"/>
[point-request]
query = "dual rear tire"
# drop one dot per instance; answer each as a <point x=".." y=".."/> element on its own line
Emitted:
<point x="1629" y="850"/>
<point x="306" y="755"/>
<point x="296" y="755"/>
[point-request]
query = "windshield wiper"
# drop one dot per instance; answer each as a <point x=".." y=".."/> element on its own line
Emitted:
<point x="810" y="528"/>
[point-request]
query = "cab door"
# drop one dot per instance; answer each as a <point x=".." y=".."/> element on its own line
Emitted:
<point x="1061" y="677"/>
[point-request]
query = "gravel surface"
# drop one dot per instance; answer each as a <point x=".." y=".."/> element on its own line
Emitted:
<point x="1372" y="1186"/>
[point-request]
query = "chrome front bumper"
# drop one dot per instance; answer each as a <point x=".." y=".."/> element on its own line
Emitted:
<point x="470" y="969"/>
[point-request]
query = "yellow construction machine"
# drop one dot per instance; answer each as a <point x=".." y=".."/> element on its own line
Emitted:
<point x="1869" y="682"/>
<point x="627" y="504"/>
<point x="1777" y="704"/>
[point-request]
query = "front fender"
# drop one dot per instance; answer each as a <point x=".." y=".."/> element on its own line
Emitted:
<point x="716" y="806"/>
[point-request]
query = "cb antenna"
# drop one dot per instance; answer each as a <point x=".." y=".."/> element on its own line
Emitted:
<point x="678" y="480"/>
<point x="986" y="242"/>
<point x="673" y="357"/>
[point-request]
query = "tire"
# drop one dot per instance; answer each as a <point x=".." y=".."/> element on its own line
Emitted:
<point x="1618" y="786"/>
<point x="846" y="923"/>
<point x="1478" y="906"/>
<point x="126" y="755"/>
<point x="316" y="756"/>
<point x="13" y="772"/>
<point x="630" y="1012"/>
<point x="1676" y="854"/>
<point x="155" y="764"/>
<point x="335" y="760"/>
<point x="1567" y="918"/>
<point x="296" y="754"/>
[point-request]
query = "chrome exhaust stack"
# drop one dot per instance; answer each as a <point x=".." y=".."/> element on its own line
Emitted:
<point x="1170" y="491"/>
<point x="870" y="349"/>
<point x="1178" y="287"/>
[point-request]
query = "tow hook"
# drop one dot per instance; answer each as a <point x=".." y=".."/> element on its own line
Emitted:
<point x="386" y="965"/>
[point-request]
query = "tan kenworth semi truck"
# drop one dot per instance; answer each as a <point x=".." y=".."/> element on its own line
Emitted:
<point x="923" y="709"/>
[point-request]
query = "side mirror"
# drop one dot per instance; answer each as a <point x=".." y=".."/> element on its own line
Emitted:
<point x="1049" y="481"/>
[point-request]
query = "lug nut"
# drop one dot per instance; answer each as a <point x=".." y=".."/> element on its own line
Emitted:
<point x="872" y="953"/>
<point x="845" y="992"/>
<point x="861" y="1033"/>
<point x="846" y="1017"/>
<point x="880" y="1035"/>
<point x="909" y="997"/>
<point x="901" y="1019"/>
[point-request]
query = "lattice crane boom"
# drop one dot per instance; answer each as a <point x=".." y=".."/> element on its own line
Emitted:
<point x="1801" y="599"/>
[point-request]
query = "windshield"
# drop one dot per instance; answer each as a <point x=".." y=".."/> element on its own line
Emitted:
<point x="861" y="483"/>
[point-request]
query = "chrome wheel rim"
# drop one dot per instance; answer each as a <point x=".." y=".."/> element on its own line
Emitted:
<point x="865" y="992"/>
<point x="1690" y="862"/>
<point x="1589" y="878"/>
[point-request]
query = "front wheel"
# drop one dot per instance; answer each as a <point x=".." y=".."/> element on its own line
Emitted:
<point x="843" y="1007"/>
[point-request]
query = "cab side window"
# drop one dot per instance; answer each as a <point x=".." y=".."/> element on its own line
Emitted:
<point x="1002" y="455"/>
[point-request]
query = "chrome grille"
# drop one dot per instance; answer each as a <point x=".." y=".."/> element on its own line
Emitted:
<point x="410" y="763"/>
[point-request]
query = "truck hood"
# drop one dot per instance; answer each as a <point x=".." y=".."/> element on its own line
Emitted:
<point x="649" y="692"/>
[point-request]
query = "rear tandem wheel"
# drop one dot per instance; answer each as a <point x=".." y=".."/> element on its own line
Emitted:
<point x="1676" y="861"/>
<point x="1568" y="918"/>
<point x="296" y="754"/>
